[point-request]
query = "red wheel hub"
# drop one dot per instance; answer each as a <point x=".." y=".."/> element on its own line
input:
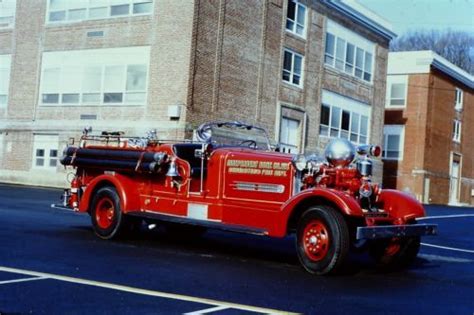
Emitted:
<point x="392" y="249"/>
<point x="104" y="213"/>
<point x="315" y="240"/>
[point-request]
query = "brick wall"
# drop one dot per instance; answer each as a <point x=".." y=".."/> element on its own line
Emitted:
<point x="428" y="146"/>
<point x="238" y="63"/>
<point x="168" y="31"/>
<point x="219" y="60"/>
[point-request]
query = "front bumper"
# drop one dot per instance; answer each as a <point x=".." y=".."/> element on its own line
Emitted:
<point x="390" y="231"/>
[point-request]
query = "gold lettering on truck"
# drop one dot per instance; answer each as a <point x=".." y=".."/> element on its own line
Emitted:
<point x="250" y="167"/>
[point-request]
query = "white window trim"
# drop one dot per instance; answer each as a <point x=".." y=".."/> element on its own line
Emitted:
<point x="5" y="63"/>
<point x="457" y="124"/>
<point x="332" y="99"/>
<point x="396" y="79"/>
<point x="141" y="52"/>
<point x="357" y="41"/>
<point x="298" y="136"/>
<point x="292" y="72"/>
<point x="46" y="145"/>
<point x="394" y="130"/>
<point x="293" y="31"/>
<point x="458" y="103"/>
<point x="2" y="137"/>
<point x="13" y="16"/>
<point x="108" y="5"/>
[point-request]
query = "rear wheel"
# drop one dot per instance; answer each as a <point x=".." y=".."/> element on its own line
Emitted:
<point x="322" y="240"/>
<point x="107" y="218"/>
<point x="395" y="253"/>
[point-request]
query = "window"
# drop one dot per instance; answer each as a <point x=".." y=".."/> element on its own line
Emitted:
<point x="289" y="135"/>
<point x="292" y="67"/>
<point x="7" y="13"/>
<point x="459" y="99"/>
<point x="396" y="90"/>
<point x="296" y="18"/>
<point x="342" y="117"/>
<point x="457" y="130"/>
<point x="393" y="139"/>
<point x="80" y="10"/>
<point x="349" y="52"/>
<point x="329" y="53"/>
<point x="1" y="145"/>
<point x="5" y="62"/>
<point x="111" y="76"/>
<point x="45" y="152"/>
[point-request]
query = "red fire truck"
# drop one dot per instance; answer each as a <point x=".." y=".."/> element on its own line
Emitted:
<point x="232" y="178"/>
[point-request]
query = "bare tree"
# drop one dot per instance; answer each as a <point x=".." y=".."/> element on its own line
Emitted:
<point x="455" y="46"/>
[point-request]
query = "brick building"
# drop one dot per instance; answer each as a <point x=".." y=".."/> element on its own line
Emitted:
<point x="429" y="128"/>
<point x="305" y="70"/>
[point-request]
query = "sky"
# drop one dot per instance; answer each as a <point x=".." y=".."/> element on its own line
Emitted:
<point x="406" y="15"/>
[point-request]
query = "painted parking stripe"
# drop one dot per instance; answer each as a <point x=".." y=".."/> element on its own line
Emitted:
<point x="22" y="280"/>
<point x="208" y="310"/>
<point x="128" y="289"/>
<point x="449" y="248"/>
<point x="446" y="217"/>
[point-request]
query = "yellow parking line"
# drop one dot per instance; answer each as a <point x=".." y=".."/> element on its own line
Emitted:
<point x="144" y="291"/>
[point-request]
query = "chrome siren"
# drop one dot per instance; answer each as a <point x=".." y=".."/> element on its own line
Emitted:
<point x="340" y="152"/>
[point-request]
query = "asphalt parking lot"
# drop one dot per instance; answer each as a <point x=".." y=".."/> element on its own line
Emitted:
<point x="51" y="263"/>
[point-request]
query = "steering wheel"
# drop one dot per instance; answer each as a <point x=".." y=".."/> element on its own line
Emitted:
<point x="203" y="133"/>
<point x="250" y="143"/>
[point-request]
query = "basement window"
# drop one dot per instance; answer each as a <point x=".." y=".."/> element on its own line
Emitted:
<point x="45" y="152"/>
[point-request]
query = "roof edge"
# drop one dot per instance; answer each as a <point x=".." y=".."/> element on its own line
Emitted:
<point x="422" y="61"/>
<point x="360" y="18"/>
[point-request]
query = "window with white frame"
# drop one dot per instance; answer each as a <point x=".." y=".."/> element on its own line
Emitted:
<point x="349" y="52"/>
<point x="1" y="145"/>
<point x="7" y="13"/>
<point x="459" y="99"/>
<point x="289" y="135"/>
<point x="396" y="91"/>
<point x="60" y="11"/>
<point x="45" y="152"/>
<point x="342" y="117"/>
<point x="111" y="76"/>
<point x="292" y="67"/>
<point x="457" y="130"/>
<point x="5" y="63"/>
<point x="393" y="141"/>
<point x="296" y="18"/>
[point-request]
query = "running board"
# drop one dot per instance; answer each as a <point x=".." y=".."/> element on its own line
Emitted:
<point x="205" y="223"/>
<point x="62" y="207"/>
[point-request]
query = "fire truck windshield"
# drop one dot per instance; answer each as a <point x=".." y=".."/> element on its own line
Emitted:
<point x="234" y="134"/>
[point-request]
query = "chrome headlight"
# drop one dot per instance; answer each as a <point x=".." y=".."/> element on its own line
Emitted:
<point x="299" y="161"/>
<point x="315" y="163"/>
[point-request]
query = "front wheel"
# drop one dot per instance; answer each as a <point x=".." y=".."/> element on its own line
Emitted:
<point x="322" y="240"/>
<point x="107" y="218"/>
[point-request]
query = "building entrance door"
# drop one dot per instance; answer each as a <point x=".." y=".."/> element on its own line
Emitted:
<point x="454" y="183"/>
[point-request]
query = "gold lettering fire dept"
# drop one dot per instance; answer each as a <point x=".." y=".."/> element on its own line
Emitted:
<point x="265" y="168"/>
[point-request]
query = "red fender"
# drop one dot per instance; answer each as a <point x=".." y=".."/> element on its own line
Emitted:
<point x="342" y="201"/>
<point x="129" y="197"/>
<point x="400" y="205"/>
